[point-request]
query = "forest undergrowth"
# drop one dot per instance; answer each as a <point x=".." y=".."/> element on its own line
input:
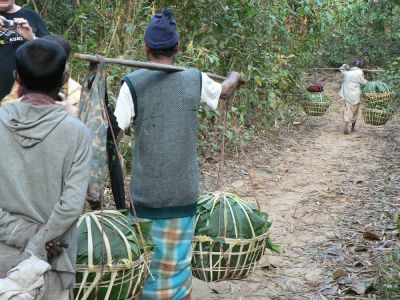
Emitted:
<point x="273" y="44"/>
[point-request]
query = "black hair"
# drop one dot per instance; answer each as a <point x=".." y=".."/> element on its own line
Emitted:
<point x="168" y="52"/>
<point x="40" y="65"/>
<point x="359" y="63"/>
<point x="59" y="40"/>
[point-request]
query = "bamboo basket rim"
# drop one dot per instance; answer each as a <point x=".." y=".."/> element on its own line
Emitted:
<point x="321" y="98"/>
<point x="205" y="238"/>
<point x="379" y="97"/>
<point x="382" y="94"/>
<point x="313" y="102"/>
<point x="315" y="109"/>
<point x="109" y="268"/>
<point x="216" y="265"/>
<point x="376" y="111"/>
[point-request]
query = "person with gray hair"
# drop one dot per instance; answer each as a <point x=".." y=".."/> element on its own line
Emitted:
<point x="350" y="92"/>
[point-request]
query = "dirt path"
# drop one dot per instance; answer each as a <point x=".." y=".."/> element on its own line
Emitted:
<point x="331" y="198"/>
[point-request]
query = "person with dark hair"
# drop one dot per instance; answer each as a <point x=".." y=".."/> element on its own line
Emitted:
<point x="353" y="79"/>
<point x="71" y="89"/>
<point x="165" y="174"/>
<point x="359" y="63"/>
<point x="17" y="25"/>
<point x="41" y="79"/>
<point x="47" y="156"/>
<point x="61" y="41"/>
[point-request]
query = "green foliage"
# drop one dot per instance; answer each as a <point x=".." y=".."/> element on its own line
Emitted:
<point x="228" y="216"/>
<point x="223" y="215"/>
<point x="110" y="223"/>
<point x="387" y="107"/>
<point x="375" y="87"/>
<point x="369" y="29"/>
<point x="392" y="74"/>
<point x="269" y="42"/>
<point x="317" y="98"/>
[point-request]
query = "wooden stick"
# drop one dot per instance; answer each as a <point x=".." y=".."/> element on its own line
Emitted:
<point x="144" y="65"/>
<point x="338" y="69"/>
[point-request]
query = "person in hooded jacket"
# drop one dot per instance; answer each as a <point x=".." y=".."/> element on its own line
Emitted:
<point x="47" y="156"/>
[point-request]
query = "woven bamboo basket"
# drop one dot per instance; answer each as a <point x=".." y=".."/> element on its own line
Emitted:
<point x="373" y="98"/>
<point x="216" y="260"/>
<point x="229" y="255"/>
<point x="109" y="273"/>
<point x="376" y="117"/>
<point x="315" y="109"/>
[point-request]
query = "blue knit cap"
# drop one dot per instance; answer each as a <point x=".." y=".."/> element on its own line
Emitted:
<point x="161" y="32"/>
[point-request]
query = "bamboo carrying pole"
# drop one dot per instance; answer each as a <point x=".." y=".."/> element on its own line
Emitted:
<point x="143" y="65"/>
<point x="338" y="69"/>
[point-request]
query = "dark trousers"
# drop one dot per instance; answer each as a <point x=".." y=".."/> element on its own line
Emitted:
<point x="116" y="176"/>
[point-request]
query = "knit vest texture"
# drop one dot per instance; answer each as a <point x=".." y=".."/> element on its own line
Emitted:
<point x="165" y="173"/>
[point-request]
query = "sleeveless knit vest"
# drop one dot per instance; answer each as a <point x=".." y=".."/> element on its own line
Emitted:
<point x="165" y="174"/>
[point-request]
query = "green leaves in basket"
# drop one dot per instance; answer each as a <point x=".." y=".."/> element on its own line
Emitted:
<point x="375" y="87"/>
<point x="273" y="247"/>
<point x="231" y="237"/>
<point x="108" y="238"/>
<point x="317" y="98"/>
<point x="112" y="226"/>
<point x="227" y="216"/>
<point x="135" y="240"/>
<point x="387" y="107"/>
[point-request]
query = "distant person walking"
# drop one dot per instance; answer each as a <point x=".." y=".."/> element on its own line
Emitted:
<point x="353" y="78"/>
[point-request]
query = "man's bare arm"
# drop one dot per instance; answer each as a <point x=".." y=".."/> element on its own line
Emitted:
<point x="229" y="85"/>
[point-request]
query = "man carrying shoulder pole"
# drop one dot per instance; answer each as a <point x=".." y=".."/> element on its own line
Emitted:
<point x="165" y="175"/>
<point x="350" y="92"/>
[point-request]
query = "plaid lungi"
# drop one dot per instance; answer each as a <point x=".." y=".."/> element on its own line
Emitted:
<point x="170" y="265"/>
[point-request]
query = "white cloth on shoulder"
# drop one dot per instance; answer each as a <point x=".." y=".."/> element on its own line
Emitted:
<point x="26" y="281"/>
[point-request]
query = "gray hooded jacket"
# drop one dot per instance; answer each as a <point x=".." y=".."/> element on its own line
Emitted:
<point x="44" y="162"/>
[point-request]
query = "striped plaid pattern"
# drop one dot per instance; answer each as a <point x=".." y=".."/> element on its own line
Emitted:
<point x="170" y="265"/>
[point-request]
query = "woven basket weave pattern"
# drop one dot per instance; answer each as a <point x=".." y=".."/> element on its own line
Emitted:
<point x="113" y="276"/>
<point x="111" y="279"/>
<point x="315" y="109"/>
<point x="215" y="260"/>
<point x="223" y="254"/>
<point x="372" y="98"/>
<point x="376" y="117"/>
